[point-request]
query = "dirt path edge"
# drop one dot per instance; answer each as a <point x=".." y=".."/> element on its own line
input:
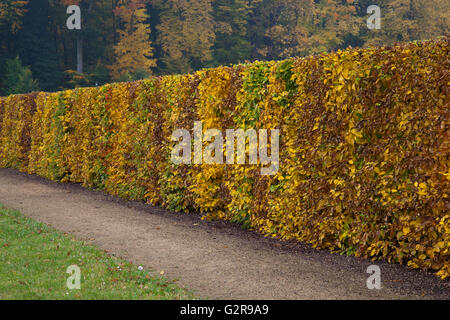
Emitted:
<point x="216" y="260"/>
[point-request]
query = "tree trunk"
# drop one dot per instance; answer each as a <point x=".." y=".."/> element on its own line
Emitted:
<point x="79" y="55"/>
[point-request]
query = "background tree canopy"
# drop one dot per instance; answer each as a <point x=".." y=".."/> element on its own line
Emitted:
<point x="131" y="39"/>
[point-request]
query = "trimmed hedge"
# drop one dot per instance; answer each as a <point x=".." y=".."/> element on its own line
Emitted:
<point x="364" y="147"/>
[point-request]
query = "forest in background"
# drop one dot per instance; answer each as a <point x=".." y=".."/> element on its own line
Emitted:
<point x="127" y="40"/>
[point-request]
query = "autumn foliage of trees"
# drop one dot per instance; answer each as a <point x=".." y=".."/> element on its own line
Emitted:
<point x="132" y="39"/>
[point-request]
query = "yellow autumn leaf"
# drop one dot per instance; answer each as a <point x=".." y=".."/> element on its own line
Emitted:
<point x="406" y="230"/>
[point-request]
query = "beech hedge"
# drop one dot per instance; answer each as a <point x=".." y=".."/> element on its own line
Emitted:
<point x="364" y="147"/>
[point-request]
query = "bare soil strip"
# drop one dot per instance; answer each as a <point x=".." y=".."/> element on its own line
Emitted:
<point x="216" y="260"/>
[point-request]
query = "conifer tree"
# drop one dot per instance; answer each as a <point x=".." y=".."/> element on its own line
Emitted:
<point x="17" y="78"/>
<point x="37" y="48"/>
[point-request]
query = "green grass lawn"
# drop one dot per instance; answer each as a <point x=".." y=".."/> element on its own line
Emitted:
<point x="34" y="259"/>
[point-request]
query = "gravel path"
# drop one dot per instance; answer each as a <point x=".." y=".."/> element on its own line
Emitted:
<point x="216" y="260"/>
